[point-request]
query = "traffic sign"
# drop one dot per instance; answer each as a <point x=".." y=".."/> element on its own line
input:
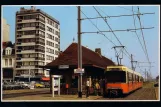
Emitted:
<point x="79" y="70"/>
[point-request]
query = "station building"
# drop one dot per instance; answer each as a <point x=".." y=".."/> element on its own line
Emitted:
<point x="93" y="63"/>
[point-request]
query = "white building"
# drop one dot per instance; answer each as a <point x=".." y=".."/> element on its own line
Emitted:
<point x="37" y="41"/>
<point x="5" y="30"/>
<point x="8" y="61"/>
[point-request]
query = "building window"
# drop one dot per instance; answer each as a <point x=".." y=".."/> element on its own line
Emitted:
<point x="6" y="62"/>
<point x="10" y="62"/>
<point x="56" y="25"/>
<point x="6" y="52"/>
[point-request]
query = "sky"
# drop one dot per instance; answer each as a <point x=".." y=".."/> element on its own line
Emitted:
<point x="67" y="16"/>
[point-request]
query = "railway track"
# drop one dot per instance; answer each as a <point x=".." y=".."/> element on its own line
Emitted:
<point x="140" y="94"/>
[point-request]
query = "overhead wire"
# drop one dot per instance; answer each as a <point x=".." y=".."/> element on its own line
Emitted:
<point x="143" y="36"/>
<point x="137" y="34"/>
<point x="100" y="31"/>
<point x="111" y="29"/>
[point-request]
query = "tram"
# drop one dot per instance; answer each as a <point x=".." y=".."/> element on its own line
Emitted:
<point x="120" y="80"/>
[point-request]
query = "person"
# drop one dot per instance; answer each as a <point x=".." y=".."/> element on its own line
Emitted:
<point x="104" y="87"/>
<point x="97" y="87"/>
<point x="67" y="86"/>
<point x="101" y="86"/>
<point x="87" y="88"/>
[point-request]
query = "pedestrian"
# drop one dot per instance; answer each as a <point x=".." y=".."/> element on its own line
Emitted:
<point x="101" y="86"/>
<point x="67" y="86"/>
<point x="104" y="87"/>
<point x="97" y="87"/>
<point x="87" y="88"/>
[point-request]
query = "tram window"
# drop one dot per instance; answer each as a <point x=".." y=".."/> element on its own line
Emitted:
<point x="130" y="77"/>
<point x="133" y="77"/>
<point x="138" y="78"/>
<point x="116" y="76"/>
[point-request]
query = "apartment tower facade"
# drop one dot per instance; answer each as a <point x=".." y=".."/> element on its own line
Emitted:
<point x="6" y="30"/>
<point x="37" y="41"/>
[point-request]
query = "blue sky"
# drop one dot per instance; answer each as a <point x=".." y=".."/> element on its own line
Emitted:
<point x="67" y="15"/>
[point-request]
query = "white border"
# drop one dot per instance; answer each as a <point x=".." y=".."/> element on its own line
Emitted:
<point x="77" y="100"/>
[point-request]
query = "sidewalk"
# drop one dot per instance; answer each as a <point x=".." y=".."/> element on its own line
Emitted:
<point x="25" y="90"/>
<point x="49" y="97"/>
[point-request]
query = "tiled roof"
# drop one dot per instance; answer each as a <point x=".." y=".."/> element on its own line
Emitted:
<point x="70" y="57"/>
<point x="8" y="44"/>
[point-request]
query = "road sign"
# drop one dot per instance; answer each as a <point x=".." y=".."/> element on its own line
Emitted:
<point x="79" y="70"/>
<point x="63" y="66"/>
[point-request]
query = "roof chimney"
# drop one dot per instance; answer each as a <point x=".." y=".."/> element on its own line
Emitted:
<point x="32" y="8"/>
<point x="98" y="50"/>
<point x="22" y="9"/>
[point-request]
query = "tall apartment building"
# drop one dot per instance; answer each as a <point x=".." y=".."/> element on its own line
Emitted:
<point x="5" y="31"/>
<point x="37" y="41"/>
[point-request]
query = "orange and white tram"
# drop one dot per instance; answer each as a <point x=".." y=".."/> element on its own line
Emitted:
<point x="121" y="80"/>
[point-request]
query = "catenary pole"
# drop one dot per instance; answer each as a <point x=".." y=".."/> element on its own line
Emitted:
<point x="79" y="53"/>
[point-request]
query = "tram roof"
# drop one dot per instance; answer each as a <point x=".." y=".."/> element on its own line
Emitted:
<point x="128" y="69"/>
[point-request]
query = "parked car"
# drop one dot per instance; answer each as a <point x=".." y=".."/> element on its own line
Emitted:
<point x="25" y="85"/>
<point x="47" y="84"/>
<point x="39" y="85"/>
<point x="11" y="86"/>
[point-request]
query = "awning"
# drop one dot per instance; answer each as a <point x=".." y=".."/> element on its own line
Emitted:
<point x="45" y="78"/>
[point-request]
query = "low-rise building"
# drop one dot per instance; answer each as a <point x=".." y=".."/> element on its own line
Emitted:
<point x="93" y="63"/>
<point x="8" y="61"/>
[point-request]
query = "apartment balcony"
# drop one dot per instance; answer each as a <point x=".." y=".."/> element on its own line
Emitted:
<point x="19" y="20"/>
<point x="18" y="51"/>
<point x="28" y="59"/>
<point x="41" y="43"/>
<point x="39" y="58"/>
<point x="39" y="19"/>
<point x="39" y="50"/>
<point x="25" y="67"/>
<point x="39" y="27"/>
<point x="18" y="58"/>
<point x="27" y="51"/>
<point x="28" y="21"/>
<point x="25" y="28"/>
<point x="28" y="44"/>
<point x="40" y="35"/>
<point x="26" y="36"/>
<point x="24" y="59"/>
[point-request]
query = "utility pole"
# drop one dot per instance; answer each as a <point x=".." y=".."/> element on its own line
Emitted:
<point x="29" y="75"/>
<point x="132" y="63"/>
<point x="79" y="54"/>
<point x="145" y="75"/>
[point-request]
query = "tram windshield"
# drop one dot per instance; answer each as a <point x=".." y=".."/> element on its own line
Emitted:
<point x="115" y="76"/>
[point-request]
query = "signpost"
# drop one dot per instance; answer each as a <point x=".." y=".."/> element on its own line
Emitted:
<point x="63" y="66"/>
<point x="79" y="70"/>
